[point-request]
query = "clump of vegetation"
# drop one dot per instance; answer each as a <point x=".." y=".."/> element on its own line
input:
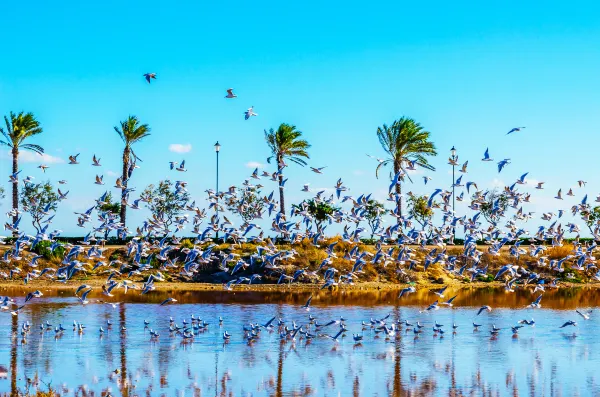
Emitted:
<point x="43" y="248"/>
<point x="246" y="203"/>
<point x="496" y="203"/>
<point x="419" y="210"/>
<point x="166" y="202"/>
<point x="39" y="200"/>
<point x="187" y="243"/>
<point x="373" y="212"/>
<point x="319" y="210"/>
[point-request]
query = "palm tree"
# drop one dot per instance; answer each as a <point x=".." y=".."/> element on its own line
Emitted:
<point x="131" y="131"/>
<point x="404" y="141"/>
<point x="19" y="127"/>
<point x="285" y="143"/>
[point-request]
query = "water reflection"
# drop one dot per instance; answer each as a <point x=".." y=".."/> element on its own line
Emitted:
<point x="126" y="361"/>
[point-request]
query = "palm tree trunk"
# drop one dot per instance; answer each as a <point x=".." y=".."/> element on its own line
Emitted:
<point x="398" y="188"/>
<point x="15" y="186"/>
<point x="125" y="171"/>
<point x="281" y="199"/>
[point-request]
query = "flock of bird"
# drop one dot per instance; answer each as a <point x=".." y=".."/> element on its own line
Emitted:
<point x="308" y="329"/>
<point x="155" y="249"/>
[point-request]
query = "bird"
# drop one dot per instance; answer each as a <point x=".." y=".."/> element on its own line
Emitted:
<point x="502" y="164"/>
<point x="406" y="291"/>
<point x="250" y="113"/>
<point x="569" y="323"/>
<point x="307" y="304"/>
<point x="536" y="303"/>
<point x="449" y="301"/>
<point x="230" y="93"/>
<point x="516" y="129"/>
<point x="585" y="315"/>
<point x="95" y="161"/>
<point x="181" y="167"/>
<point x="73" y="159"/>
<point x="168" y="300"/>
<point x="484" y="308"/>
<point x="486" y="156"/>
<point x="317" y="170"/>
<point x="150" y="76"/>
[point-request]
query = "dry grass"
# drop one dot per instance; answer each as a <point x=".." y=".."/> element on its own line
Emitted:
<point x="310" y="257"/>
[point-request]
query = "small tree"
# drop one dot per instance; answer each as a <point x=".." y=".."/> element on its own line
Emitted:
<point x="591" y="218"/>
<point x="419" y="210"/>
<point x="495" y="204"/>
<point x="246" y="203"/>
<point x="318" y="210"/>
<point x="39" y="200"/>
<point x="373" y="211"/>
<point x="165" y="202"/>
<point x="111" y="208"/>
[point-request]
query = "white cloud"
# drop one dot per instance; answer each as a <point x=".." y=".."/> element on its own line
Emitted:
<point x="254" y="164"/>
<point x="180" y="147"/>
<point x="28" y="156"/>
<point x="358" y="172"/>
<point x="111" y="173"/>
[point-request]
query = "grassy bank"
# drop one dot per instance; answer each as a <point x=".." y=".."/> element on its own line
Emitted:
<point x="305" y="256"/>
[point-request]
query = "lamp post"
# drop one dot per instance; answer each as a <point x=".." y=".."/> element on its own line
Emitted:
<point x="454" y="158"/>
<point x="217" y="150"/>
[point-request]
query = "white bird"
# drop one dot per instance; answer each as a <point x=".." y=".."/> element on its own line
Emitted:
<point x="586" y="315"/>
<point x="168" y="300"/>
<point x="250" y="113"/>
<point x="484" y="308"/>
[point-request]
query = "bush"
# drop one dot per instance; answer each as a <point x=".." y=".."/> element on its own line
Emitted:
<point x="43" y="248"/>
<point x="187" y="243"/>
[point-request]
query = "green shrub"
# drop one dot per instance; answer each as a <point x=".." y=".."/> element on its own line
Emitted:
<point x="43" y="248"/>
<point x="187" y="244"/>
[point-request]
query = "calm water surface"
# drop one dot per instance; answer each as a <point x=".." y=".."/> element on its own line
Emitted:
<point x="540" y="361"/>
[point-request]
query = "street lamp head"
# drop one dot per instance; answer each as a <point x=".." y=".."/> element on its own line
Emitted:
<point x="217" y="147"/>
<point x="453" y="151"/>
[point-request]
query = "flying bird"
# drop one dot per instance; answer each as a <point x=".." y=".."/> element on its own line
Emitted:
<point x="230" y="94"/>
<point x="150" y="76"/>
<point x="516" y="129"/>
<point x="250" y="113"/>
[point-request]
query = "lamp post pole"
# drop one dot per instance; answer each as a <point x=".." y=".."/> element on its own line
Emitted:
<point x="217" y="150"/>
<point x="454" y="158"/>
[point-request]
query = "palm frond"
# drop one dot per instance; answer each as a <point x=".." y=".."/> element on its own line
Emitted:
<point x="285" y="143"/>
<point x="19" y="127"/>
<point x="405" y="140"/>
<point x="34" y="148"/>
<point x="381" y="165"/>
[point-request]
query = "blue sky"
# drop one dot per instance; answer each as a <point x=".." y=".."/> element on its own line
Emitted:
<point x="468" y="72"/>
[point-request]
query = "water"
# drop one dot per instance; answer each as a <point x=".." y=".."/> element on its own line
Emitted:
<point x="541" y="360"/>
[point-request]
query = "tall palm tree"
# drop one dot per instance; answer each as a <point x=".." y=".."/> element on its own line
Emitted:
<point x="130" y="131"/>
<point x="405" y="140"/>
<point x="285" y="143"/>
<point x="19" y="127"/>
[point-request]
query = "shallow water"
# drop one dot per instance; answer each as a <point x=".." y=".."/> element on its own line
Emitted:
<point x="540" y="360"/>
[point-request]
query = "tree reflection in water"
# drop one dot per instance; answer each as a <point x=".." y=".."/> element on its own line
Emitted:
<point x="403" y="365"/>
